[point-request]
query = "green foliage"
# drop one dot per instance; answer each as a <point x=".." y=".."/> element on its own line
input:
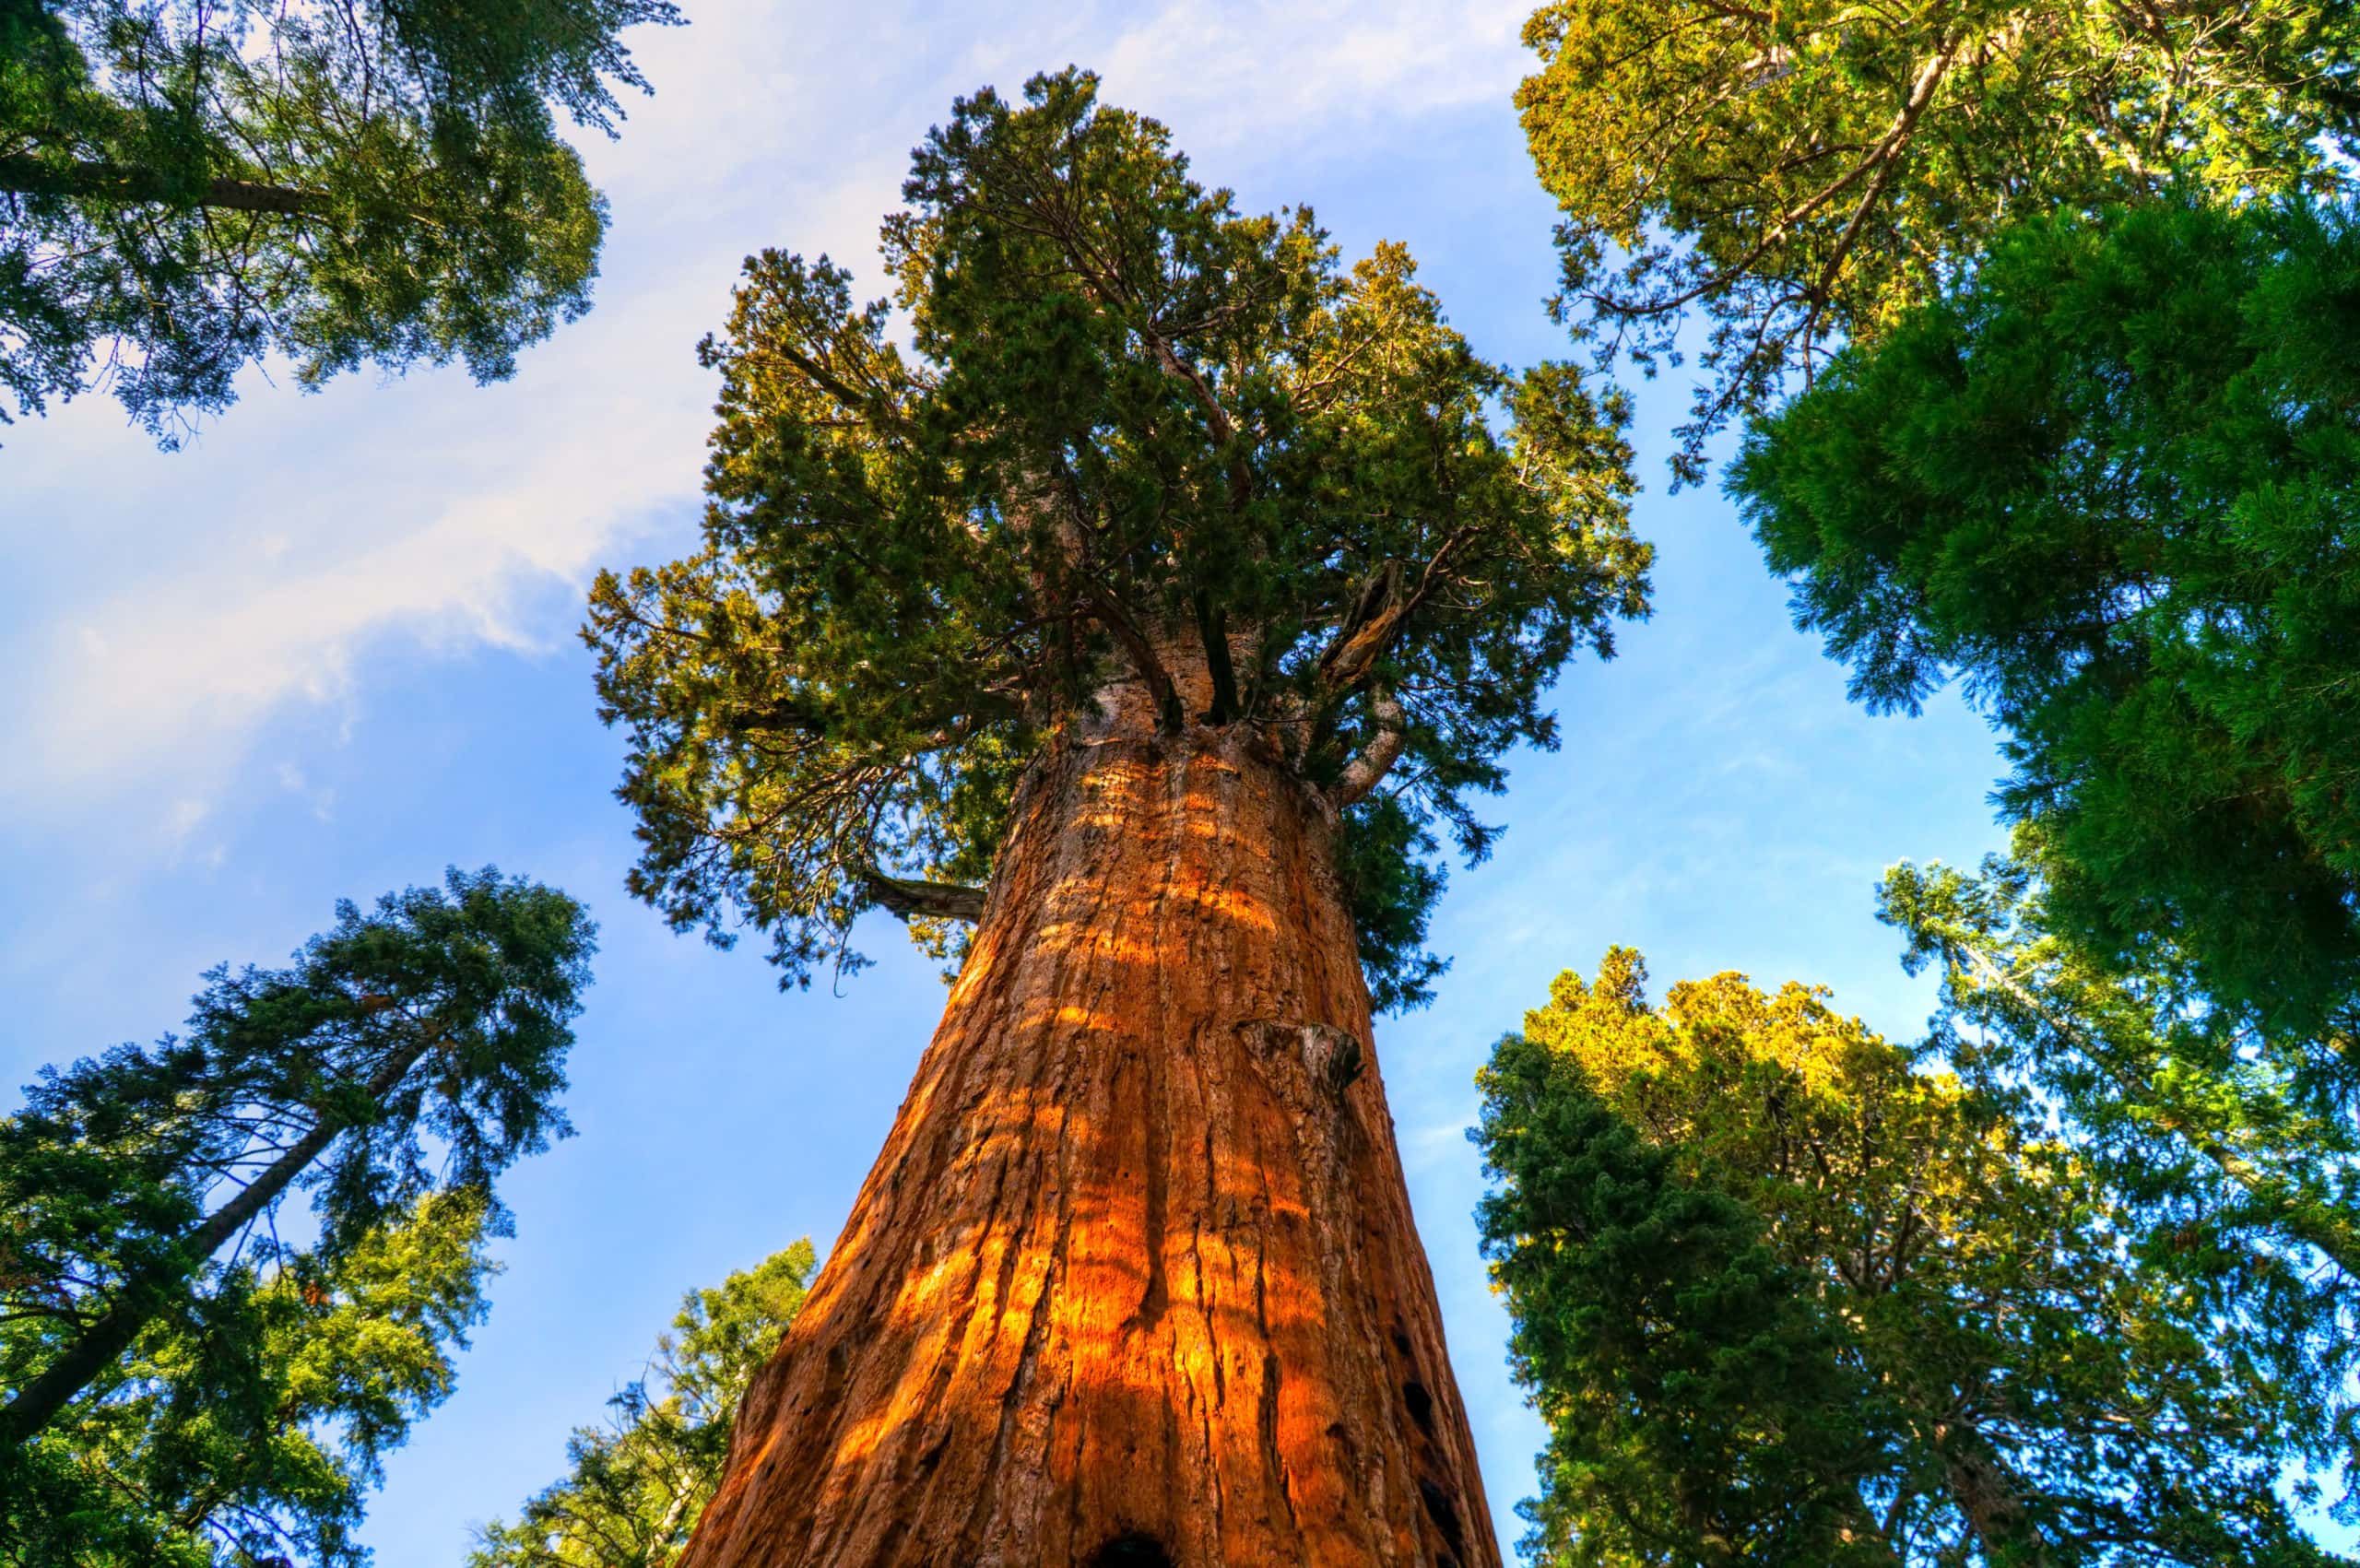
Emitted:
<point x="1130" y="418"/>
<point x="170" y="1357"/>
<point x="247" y="1425"/>
<point x="1803" y="173"/>
<point x="2108" y="482"/>
<point x="639" y="1484"/>
<point x="1698" y="1410"/>
<point x="1923" y="1320"/>
<point x="189" y="187"/>
<point x="2240" y="1155"/>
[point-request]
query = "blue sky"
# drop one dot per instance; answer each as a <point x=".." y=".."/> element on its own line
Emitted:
<point x="328" y="650"/>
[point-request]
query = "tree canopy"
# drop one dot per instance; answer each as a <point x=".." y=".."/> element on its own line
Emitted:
<point x="1129" y="419"/>
<point x="2237" y="1147"/>
<point x="1800" y="175"/>
<point x="174" y="1366"/>
<point x="2107" y="483"/>
<point x="189" y="187"/>
<point x="638" y="1485"/>
<point x="248" y="1423"/>
<point x="1915" y="1327"/>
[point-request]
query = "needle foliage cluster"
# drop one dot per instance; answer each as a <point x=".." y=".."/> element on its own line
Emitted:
<point x="2110" y="484"/>
<point x="192" y="186"/>
<point x="1786" y="1293"/>
<point x="2237" y="1146"/>
<point x="1103" y="417"/>
<point x="1800" y="175"/>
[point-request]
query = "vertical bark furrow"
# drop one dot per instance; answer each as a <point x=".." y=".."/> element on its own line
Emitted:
<point x="1125" y="1277"/>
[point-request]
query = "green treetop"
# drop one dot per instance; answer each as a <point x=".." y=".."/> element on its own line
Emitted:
<point x="415" y="1050"/>
<point x="1950" y="1354"/>
<point x="187" y="188"/>
<point x="1801" y="173"/>
<point x="2108" y="482"/>
<point x="1127" y="417"/>
<point x="1700" y="1410"/>
<point x="639" y="1484"/>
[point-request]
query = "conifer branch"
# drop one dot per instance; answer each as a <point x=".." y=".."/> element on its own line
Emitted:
<point x="22" y="174"/>
<point x="905" y="898"/>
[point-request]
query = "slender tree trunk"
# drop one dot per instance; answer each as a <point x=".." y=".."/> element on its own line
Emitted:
<point x="1989" y="1493"/>
<point x="1133" y="1280"/>
<point x="111" y="182"/>
<point x="104" y="1342"/>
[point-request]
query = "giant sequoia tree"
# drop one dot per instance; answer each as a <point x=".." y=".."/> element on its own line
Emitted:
<point x="1145" y="591"/>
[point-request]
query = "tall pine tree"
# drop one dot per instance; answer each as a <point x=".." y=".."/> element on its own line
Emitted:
<point x="181" y="1379"/>
<point x="1916" y="1328"/>
<point x="1144" y="590"/>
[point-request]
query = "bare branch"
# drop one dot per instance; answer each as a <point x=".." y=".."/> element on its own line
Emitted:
<point x="1384" y="749"/>
<point x="905" y="898"/>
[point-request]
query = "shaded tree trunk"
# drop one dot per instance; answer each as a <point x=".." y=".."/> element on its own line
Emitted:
<point x="1133" y="1280"/>
<point x="27" y="175"/>
<point x="1989" y="1493"/>
<point x="140" y="1298"/>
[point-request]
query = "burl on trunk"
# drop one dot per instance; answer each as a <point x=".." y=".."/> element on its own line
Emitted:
<point x="1133" y="1280"/>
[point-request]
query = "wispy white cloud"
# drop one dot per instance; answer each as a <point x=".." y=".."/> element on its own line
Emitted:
<point x="1286" y="76"/>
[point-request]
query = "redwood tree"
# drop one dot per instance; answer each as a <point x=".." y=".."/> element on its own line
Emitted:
<point x="1129" y="604"/>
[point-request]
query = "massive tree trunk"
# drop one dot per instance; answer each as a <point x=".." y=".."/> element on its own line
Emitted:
<point x="1133" y="1280"/>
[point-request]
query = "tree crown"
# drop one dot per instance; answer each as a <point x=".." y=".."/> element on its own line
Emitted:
<point x="186" y="187"/>
<point x="1134" y="432"/>
<point x="2106" y="482"/>
<point x="1802" y="174"/>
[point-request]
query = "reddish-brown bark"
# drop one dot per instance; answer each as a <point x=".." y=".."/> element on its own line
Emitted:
<point x="1134" y="1279"/>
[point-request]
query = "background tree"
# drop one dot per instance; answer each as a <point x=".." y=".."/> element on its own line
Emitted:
<point x="639" y="1484"/>
<point x="2240" y="1153"/>
<point x="188" y="187"/>
<point x="248" y="1425"/>
<point x="1699" y="1408"/>
<point x="1183" y="584"/>
<point x="1802" y="174"/>
<point x="2023" y="1392"/>
<point x="2108" y="482"/>
<point x="413" y="1051"/>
